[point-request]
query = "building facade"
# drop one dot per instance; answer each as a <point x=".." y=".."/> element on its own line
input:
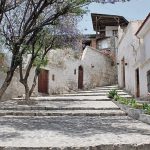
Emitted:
<point x="133" y="58"/>
<point x="68" y="70"/>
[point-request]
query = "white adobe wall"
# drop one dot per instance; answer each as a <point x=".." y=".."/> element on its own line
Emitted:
<point x="64" y="78"/>
<point x="103" y="73"/>
<point x="127" y="50"/>
<point x="145" y="64"/>
<point x="62" y="64"/>
<point x="103" y="44"/>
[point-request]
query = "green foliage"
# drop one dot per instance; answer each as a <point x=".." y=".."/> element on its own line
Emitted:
<point x="138" y="106"/>
<point x="112" y="93"/>
<point x="146" y="108"/>
<point x="123" y="100"/>
<point x="40" y="62"/>
<point x="132" y="103"/>
<point x="116" y="97"/>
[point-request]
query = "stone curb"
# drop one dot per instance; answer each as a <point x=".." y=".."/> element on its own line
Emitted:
<point x="137" y="114"/>
<point x="145" y="118"/>
<point x="134" y="113"/>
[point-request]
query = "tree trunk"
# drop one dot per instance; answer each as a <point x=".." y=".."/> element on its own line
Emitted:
<point x="34" y="84"/>
<point x="6" y="83"/>
<point x="27" y="95"/>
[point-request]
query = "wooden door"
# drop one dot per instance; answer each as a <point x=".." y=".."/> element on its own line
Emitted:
<point x="43" y="81"/>
<point x="137" y="82"/>
<point x="80" y="77"/>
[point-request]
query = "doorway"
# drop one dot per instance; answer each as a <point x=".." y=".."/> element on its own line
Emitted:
<point x="80" y="77"/>
<point x="43" y="81"/>
<point x="123" y="73"/>
<point x="137" y="82"/>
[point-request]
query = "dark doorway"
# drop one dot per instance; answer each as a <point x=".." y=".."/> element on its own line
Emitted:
<point x="43" y="81"/>
<point x="137" y="82"/>
<point x="148" y="81"/>
<point x="80" y="77"/>
<point x="123" y="73"/>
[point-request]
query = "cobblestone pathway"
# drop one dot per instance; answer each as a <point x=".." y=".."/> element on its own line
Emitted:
<point x="87" y="120"/>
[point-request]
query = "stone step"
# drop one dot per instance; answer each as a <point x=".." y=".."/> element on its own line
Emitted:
<point x="52" y="108"/>
<point x="62" y="99"/>
<point x="62" y="113"/>
<point x="93" y="94"/>
<point x="63" y="104"/>
<point x="78" y="98"/>
<point x="97" y="91"/>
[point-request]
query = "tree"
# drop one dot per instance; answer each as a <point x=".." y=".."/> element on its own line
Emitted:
<point x="23" y="23"/>
<point x="7" y="5"/>
<point x="64" y="34"/>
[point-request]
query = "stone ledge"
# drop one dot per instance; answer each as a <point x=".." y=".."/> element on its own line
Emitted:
<point x="145" y="118"/>
<point x="134" y="113"/>
<point x="137" y="114"/>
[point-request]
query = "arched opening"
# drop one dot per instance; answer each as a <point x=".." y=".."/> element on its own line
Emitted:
<point x="80" y="77"/>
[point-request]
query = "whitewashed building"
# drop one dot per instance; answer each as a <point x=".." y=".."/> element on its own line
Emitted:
<point x="133" y="58"/>
<point x="143" y="56"/>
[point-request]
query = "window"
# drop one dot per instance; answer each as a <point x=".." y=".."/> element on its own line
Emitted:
<point x="53" y="77"/>
<point x="148" y="81"/>
<point x="115" y="32"/>
<point x="74" y="71"/>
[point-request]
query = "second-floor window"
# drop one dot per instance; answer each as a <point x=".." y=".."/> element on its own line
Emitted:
<point x="115" y="32"/>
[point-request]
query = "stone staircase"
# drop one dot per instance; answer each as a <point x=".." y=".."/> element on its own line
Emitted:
<point x="83" y="103"/>
<point x="86" y="120"/>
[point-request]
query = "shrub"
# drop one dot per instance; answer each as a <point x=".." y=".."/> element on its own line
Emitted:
<point x="116" y="97"/>
<point x="145" y="106"/>
<point x="138" y="106"/>
<point x="112" y="93"/>
<point x="123" y="100"/>
<point x="132" y="102"/>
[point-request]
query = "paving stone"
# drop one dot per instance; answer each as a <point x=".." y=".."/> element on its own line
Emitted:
<point x="82" y="121"/>
<point x="67" y="131"/>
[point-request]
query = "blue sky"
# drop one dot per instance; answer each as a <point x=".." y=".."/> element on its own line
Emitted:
<point x="133" y="10"/>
